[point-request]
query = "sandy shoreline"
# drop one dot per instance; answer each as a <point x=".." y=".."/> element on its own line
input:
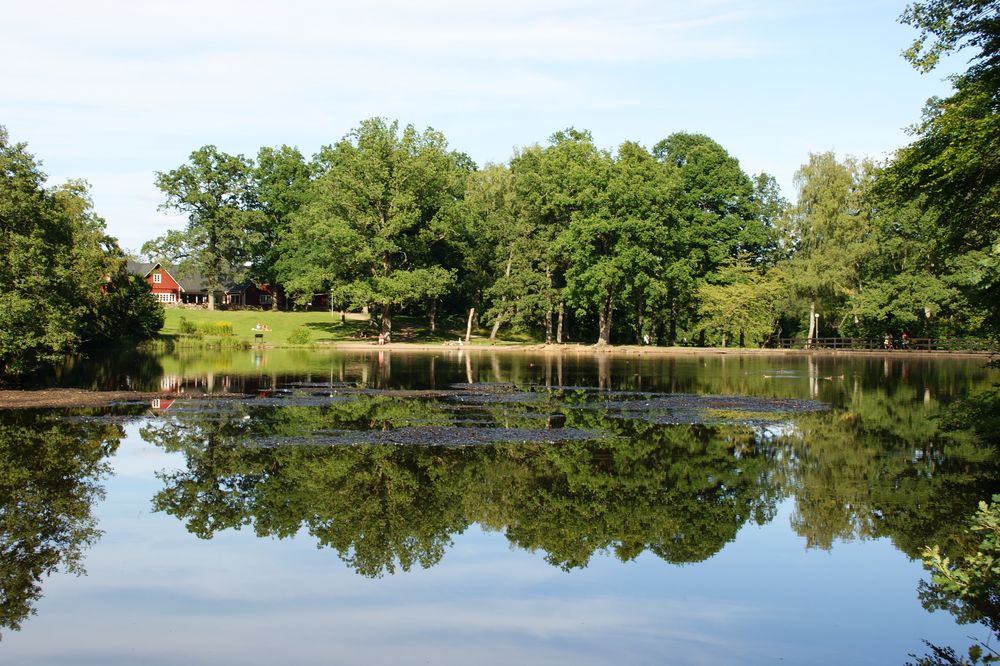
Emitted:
<point x="638" y="350"/>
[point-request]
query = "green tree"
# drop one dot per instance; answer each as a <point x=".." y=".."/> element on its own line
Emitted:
<point x="496" y="248"/>
<point x="524" y="291"/>
<point x="947" y="26"/>
<point x="614" y="248"/>
<point x="576" y="178"/>
<point x="58" y="271"/>
<point x="743" y="303"/>
<point x="555" y="185"/>
<point x="912" y="283"/>
<point x="369" y="231"/>
<point x="281" y="186"/>
<point x="38" y="308"/>
<point x="828" y="231"/>
<point x="719" y="220"/>
<point x="216" y="191"/>
<point x="950" y="170"/>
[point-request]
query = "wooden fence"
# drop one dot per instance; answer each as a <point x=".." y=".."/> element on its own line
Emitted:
<point x="878" y="344"/>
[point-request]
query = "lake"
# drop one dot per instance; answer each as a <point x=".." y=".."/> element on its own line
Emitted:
<point x="465" y="507"/>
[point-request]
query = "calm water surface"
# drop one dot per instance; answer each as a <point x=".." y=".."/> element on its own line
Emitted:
<point x="487" y="508"/>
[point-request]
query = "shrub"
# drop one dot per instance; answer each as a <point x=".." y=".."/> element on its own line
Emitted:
<point x="217" y="328"/>
<point x="300" y="336"/>
<point x="188" y="327"/>
<point x="223" y="328"/>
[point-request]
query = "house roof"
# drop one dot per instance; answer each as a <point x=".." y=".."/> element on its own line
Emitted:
<point x="193" y="283"/>
<point x="140" y="267"/>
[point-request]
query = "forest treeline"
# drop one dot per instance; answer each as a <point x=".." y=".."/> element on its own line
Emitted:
<point x="674" y="244"/>
<point x="671" y="244"/>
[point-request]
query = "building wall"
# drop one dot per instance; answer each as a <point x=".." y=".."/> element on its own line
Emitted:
<point x="165" y="288"/>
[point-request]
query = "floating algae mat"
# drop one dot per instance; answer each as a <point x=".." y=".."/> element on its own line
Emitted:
<point x="334" y="414"/>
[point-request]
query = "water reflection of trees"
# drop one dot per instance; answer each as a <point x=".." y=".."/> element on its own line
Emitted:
<point x="680" y="493"/>
<point x="50" y="476"/>
<point x="883" y="467"/>
<point x="879" y="467"/>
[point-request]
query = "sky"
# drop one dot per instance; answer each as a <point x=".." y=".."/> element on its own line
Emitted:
<point x="115" y="91"/>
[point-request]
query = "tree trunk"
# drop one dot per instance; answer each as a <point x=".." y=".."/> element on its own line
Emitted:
<point x="211" y="298"/>
<point x="385" y="321"/>
<point x="549" y="312"/>
<point x="812" y="322"/>
<point x="559" y="325"/>
<point x="639" y="322"/>
<point x="496" y="327"/>
<point x="433" y="316"/>
<point x="468" y="326"/>
<point x="604" y="322"/>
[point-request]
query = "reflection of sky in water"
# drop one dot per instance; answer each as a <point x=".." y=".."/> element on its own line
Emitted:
<point x="156" y="595"/>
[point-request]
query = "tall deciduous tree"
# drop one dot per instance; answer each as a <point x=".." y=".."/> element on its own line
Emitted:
<point x="58" y="268"/>
<point x="614" y="248"/>
<point x="37" y="300"/>
<point x="281" y="186"/>
<point x="215" y="190"/>
<point x="495" y="234"/>
<point x="719" y="218"/>
<point x="368" y="234"/>
<point x="951" y="170"/>
<point x="829" y="230"/>
<point x="563" y="182"/>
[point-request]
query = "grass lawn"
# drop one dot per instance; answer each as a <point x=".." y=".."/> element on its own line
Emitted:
<point x="321" y="327"/>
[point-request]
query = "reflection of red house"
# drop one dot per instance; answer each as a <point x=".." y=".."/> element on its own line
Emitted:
<point x="160" y="405"/>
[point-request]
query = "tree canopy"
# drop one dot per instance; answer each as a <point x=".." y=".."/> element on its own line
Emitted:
<point x="63" y="284"/>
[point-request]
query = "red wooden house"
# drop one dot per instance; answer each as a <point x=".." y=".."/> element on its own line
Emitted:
<point x="165" y="287"/>
<point x="193" y="290"/>
<point x="249" y="295"/>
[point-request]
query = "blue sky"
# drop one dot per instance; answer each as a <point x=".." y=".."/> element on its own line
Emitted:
<point x="115" y="91"/>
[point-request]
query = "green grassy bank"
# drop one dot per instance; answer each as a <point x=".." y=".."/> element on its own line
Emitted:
<point x="196" y="327"/>
<point x="239" y="327"/>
